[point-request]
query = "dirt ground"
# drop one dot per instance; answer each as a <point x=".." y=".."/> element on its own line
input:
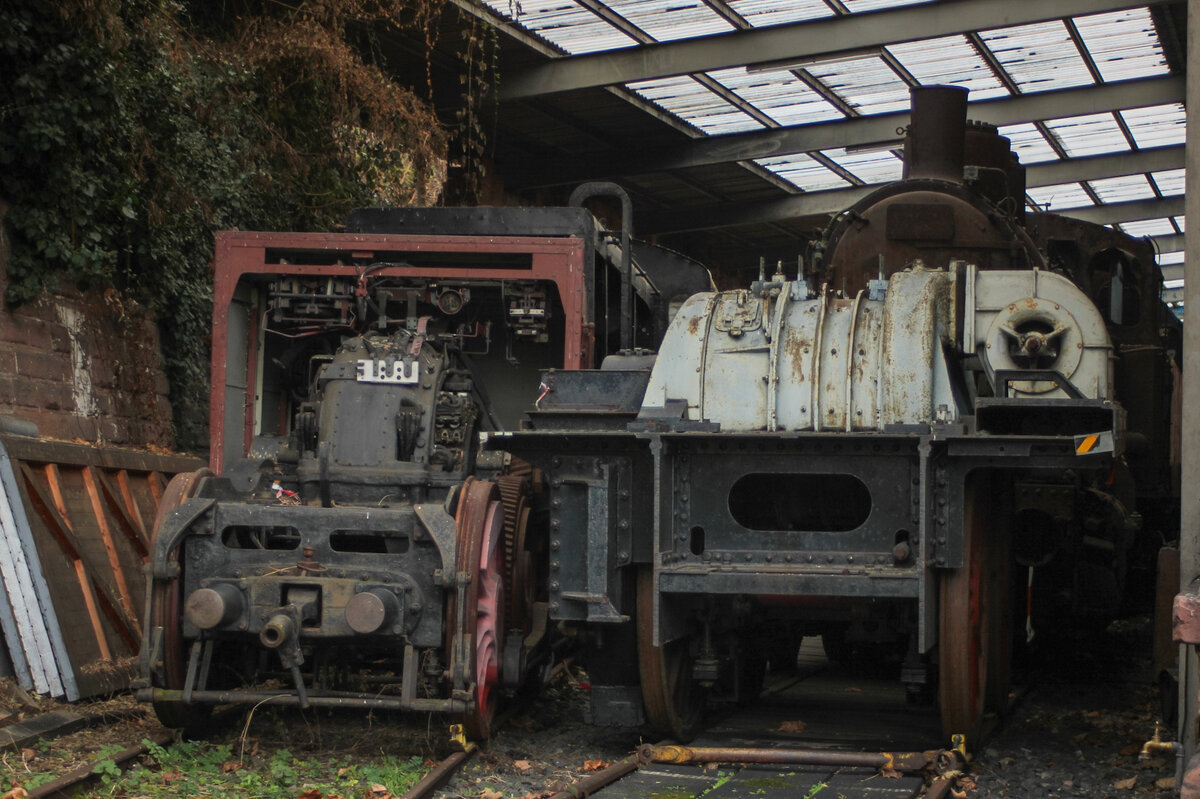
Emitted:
<point x="1076" y="731"/>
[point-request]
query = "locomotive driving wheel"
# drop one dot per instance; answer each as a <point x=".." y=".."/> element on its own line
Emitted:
<point x="975" y="620"/>
<point x="480" y="526"/>
<point x="166" y="611"/>
<point x="674" y="704"/>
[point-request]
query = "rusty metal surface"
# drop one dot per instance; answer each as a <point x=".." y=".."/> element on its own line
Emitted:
<point x="88" y="509"/>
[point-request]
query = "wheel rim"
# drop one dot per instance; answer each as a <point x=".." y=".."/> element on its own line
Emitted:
<point x="166" y="609"/>
<point x="970" y="617"/>
<point x="673" y="704"/>
<point x="480" y="526"/>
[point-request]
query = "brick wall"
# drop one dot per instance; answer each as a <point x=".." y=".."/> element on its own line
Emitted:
<point x="83" y="365"/>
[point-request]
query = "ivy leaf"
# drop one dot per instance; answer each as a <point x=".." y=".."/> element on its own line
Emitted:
<point x="128" y="212"/>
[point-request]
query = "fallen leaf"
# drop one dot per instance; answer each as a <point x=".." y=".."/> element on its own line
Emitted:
<point x="16" y="793"/>
<point x="1132" y="749"/>
<point x="488" y="793"/>
<point x="29" y="755"/>
<point x="595" y="765"/>
<point x="791" y="726"/>
<point x="311" y="793"/>
<point x="1125" y="785"/>
<point x="887" y="772"/>
<point x="379" y="792"/>
<point x="1165" y="783"/>
<point x="522" y="765"/>
<point x="169" y="777"/>
<point x="230" y="766"/>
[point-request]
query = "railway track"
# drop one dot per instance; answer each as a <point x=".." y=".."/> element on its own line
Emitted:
<point x="819" y="732"/>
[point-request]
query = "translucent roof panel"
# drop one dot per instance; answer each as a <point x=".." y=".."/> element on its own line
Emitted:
<point x="1123" y="44"/>
<point x="1028" y="143"/>
<point x="1148" y="227"/>
<point x="1174" y="257"/>
<point x="1170" y="182"/>
<point x="778" y="93"/>
<point x="690" y="101"/>
<point x="1157" y="125"/>
<point x="1039" y="57"/>
<point x="671" y="19"/>
<point x="1181" y="222"/>
<point x="803" y="171"/>
<point x="564" y="23"/>
<point x="1122" y="189"/>
<point x="763" y="13"/>
<point x="869" y="167"/>
<point x="1060" y="197"/>
<point x="1090" y="134"/>
<point x="857" y="6"/>
<point x="950" y="60"/>
<point x="865" y="82"/>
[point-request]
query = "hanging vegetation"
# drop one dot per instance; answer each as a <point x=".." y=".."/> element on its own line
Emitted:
<point x="131" y="130"/>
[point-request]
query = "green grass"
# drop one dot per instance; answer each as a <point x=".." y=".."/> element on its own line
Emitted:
<point x="199" y="769"/>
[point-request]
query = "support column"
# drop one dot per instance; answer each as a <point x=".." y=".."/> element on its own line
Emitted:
<point x="1189" y="540"/>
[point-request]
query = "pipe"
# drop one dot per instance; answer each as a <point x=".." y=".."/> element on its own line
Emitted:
<point x="277" y="631"/>
<point x="933" y="146"/>
<point x="899" y="761"/>
<point x="599" y="188"/>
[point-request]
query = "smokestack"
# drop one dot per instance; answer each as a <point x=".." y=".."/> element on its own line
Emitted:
<point x="933" y="146"/>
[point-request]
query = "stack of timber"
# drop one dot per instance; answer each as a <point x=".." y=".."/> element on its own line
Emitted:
<point x="74" y="535"/>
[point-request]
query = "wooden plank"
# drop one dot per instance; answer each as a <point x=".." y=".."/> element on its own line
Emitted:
<point x="131" y="505"/>
<point x="47" y="725"/>
<point x="121" y="513"/>
<point x="110" y="544"/>
<point x="67" y="453"/>
<point x="46" y="636"/>
<point x="60" y="528"/>
<point x="64" y="535"/>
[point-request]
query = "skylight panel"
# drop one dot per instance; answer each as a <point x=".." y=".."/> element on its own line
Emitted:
<point x="1148" y="227"/>
<point x="1174" y="257"/>
<point x="1123" y="44"/>
<point x="869" y="167"/>
<point x="1028" y="143"/>
<point x="671" y="19"/>
<point x="1181" y="221"/>
<point x="1122" y="189"/>
<point x="858" y="6"/>
<point x="1156" y="126"/>
<point x="1090" y="134"/>
<point x="865" y="82"/>
<point x="564" y="23"/>
<point x="1060" y="197"/>
<point x="803" y="171"/>
<point x="779" y="94"/>
<point x="949" y="60"/>
<point x="1170" y="181"/>
<point x="764" y="13"/>
<point x="690" y="101"/>
<point x="1039" y="57"/>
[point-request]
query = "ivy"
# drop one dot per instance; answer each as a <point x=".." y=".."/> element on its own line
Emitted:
<point x="131" y="130"/>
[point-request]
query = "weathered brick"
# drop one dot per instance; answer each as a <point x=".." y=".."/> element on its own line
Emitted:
<point x="44" y="366"/>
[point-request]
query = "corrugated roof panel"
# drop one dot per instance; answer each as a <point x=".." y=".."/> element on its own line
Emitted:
<point x="778" y="93"/>
<point x="1122" y="189"/>
<point x="858" y="6"/>
<point x="764" y="13"/>
<point x="949" y="60"/>
<point x="564" y="23"/>
<point x="1060" y="197"/>
<point x="1173" y="257"/>
<point x="1028" y="143"/>
<point x="1148" y="227"/>
<point x="869" y="167"/>
<point x="1181" y="221"/>
<point x="1170" y="181"/>
<point x="671" y="19"/>
<point x="1090" y="134"/>
<point x="803" y="171"/>
<point x="1157" y="125"/>
<point x="687" y="99"/>
<point x="1123" y="44"/>
<point x="1039" y="57"/>
<point x="865" y="82"/>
